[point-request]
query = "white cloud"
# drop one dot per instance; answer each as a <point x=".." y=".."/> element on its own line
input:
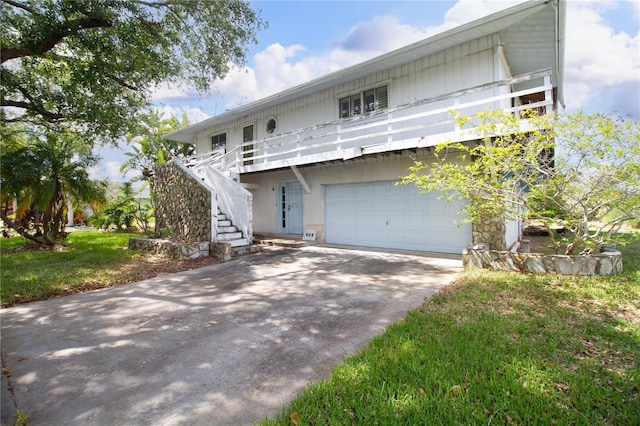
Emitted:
<point x="194" y="115"/>
<point x="381" y="34"/>
<point x="94" y="172"/>
<point x="597" y="57"/>
<point x="109" y="170"/>
<point x="112" y="169"/>
<point x="279" y="67"/>
<point x="275" y="69"/>
<point x="469" y="10"/>
<point x="166" y="92"/>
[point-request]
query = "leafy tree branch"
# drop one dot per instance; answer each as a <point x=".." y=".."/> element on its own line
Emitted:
<point x="574" y="171"/>
<point x="93" y="64"/>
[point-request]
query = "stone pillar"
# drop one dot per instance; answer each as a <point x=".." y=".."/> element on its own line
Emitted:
<point x="491" y="231"/>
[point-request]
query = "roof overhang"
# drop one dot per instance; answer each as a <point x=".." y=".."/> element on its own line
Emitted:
<point x="490" y="24"/>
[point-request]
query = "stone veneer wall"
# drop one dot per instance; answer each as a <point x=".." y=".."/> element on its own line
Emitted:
<point x="189" y="251"/>
<point x="489" y="230"/>
<point x="182" y="203"/>
<point x="606" y="263"/>
<point x="170" y="248"/>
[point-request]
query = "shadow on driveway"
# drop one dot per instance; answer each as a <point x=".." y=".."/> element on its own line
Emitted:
<point x="225" y="344"/>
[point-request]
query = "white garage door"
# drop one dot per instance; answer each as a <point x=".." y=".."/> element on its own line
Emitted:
<point x="383" y="214"/>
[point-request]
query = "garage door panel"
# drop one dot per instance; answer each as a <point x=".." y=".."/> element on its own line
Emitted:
<point x="415" y="222"/>
<point x="382" y="214"/>
<point x="379" y="189"/>
<point x="379" y="205"/>
<point x="363" y="192"/>
<point x="413" y="238"/>
<point x="379" y="222"/>
<point x="362" y="205"/>
<point x="363" y="224"/>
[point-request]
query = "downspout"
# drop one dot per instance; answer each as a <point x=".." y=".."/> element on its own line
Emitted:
<point x="559" y="77"/>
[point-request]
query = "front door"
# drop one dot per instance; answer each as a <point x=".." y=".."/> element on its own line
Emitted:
<point x="290" y="208"/>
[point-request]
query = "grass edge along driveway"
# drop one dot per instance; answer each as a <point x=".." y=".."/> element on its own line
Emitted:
<point x="496" y="348"/>
<point x="91" y="259"/>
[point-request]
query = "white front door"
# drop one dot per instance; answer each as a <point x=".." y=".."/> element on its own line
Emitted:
<point x="290" y="208"/>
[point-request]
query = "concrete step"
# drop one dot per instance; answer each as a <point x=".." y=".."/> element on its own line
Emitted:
<point x="225" y="250"/>
<point x="222" y="216"/>
<point x="227" y="229"/>
<point x="230" y="236"/>
<point x="224" y="223"/>
<point x="239" y="242"/>
<point x="291" y="241"/>
<point x="245" y="249"/>
<point x="285" y="243"/>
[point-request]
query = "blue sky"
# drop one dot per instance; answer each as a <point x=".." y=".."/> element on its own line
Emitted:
<point x="307" y="39"/>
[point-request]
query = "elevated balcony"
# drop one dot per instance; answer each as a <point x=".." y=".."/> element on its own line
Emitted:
<point x="419" y="124"/>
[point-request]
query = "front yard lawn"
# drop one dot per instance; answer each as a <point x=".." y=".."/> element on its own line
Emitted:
<point x="496" y="348"/>
<point x="92" y="259"/>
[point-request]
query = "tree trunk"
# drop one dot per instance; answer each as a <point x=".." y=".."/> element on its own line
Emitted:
<point x="38" y="239"/>
<point x="572" y="247"/>
<point x="53" y="218"/>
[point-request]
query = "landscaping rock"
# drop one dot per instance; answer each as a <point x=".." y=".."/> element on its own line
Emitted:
<point x="536" y="231"/>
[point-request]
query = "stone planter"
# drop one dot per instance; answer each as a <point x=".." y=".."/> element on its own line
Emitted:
<point x="608" y="262"/>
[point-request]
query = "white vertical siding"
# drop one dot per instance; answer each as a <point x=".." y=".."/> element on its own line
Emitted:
<point x="469" y="64"/>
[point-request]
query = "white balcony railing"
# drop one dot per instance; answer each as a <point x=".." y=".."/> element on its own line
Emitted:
<point x="421" y="123"/>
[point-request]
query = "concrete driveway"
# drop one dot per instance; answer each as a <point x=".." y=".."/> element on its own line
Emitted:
<point x="227" y="344"/>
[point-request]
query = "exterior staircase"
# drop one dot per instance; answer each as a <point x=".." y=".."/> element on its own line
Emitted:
<point x="231" y="241"/>
<point x="229" y="233"/>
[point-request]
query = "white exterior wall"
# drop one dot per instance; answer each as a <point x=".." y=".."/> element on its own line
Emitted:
<point x="265" y="199"/>
<point x="466" y="65"/>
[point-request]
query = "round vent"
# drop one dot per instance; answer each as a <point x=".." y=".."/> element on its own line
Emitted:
<point x="271" y="125"/>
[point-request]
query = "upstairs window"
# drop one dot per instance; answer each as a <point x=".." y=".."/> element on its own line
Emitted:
<point x="219" y="142"/>
<point x="364" y="102"/>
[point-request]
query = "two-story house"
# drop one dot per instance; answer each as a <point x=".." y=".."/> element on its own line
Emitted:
<point x="325" y="156"/>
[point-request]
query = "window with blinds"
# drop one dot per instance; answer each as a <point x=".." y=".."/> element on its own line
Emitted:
<point x="364" y="102"/>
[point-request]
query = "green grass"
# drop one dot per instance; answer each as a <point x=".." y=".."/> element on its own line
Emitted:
<point x="496" y="348"/>
<point x="92" y="259"/>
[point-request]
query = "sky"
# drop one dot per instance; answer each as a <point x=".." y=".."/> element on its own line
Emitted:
<point x="308" y="39"/>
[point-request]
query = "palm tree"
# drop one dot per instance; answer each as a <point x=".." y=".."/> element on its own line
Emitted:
<point x="150" y="148"/>
<point x="40" y="172"/>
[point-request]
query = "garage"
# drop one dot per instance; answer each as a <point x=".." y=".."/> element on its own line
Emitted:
<point x="383" y="214"/>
